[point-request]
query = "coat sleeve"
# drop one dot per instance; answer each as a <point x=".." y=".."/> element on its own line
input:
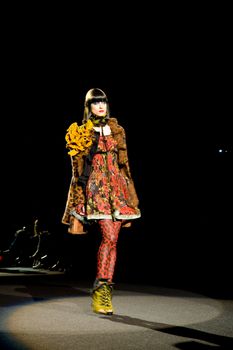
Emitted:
<point x="123" y="160"/>
<point x="75" y="192"/>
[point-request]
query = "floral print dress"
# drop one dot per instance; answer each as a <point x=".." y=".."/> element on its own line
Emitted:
<point x="106" y="190"/>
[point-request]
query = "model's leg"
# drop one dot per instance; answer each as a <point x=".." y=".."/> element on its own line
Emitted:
<point x="106" y="259"/>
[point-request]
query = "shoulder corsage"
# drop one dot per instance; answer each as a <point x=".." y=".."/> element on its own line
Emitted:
<point x="79" y="138"/>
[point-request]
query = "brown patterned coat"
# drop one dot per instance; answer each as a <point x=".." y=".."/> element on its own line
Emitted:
<point x="75" y="193"/>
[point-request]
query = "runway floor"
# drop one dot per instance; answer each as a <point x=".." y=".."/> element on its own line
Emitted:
<point x="43" y="310"/>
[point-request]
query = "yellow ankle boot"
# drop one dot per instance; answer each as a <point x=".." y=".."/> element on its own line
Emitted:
<point x="108" y="299"/>
<point x="102" y="299"/>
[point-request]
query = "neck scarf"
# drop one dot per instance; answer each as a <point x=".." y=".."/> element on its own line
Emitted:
<point x="99" y="121"/>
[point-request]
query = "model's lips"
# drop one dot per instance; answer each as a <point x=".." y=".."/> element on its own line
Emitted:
<point x="101" y="110"/>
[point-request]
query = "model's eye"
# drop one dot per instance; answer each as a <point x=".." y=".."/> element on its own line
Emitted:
<point x="98" y="102"/>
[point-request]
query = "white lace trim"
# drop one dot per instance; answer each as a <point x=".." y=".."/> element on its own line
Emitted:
<point x="116" y="215"/>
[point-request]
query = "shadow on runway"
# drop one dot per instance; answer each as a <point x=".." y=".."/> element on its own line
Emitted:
<point x="222" y="342"/>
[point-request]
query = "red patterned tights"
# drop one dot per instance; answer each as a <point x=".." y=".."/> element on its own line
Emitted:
<point x="106" y="257"/>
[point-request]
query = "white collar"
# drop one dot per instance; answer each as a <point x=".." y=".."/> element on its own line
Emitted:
<point x="103" y="130"/>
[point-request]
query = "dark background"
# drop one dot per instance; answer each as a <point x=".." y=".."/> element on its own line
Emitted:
<point x="168" y="75"/>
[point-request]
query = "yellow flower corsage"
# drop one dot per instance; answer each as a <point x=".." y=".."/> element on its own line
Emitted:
<point x="79" y="138"/>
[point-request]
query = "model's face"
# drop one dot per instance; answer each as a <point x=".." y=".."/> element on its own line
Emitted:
<point x="99" y="108"/>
